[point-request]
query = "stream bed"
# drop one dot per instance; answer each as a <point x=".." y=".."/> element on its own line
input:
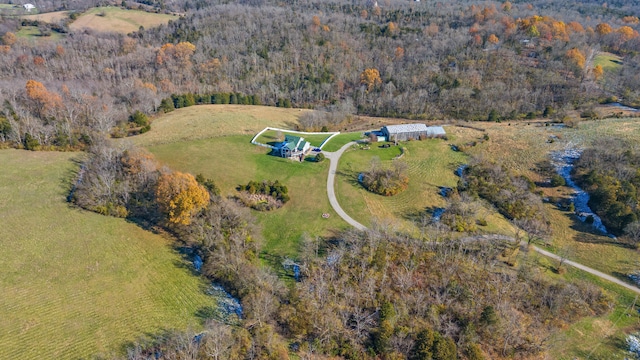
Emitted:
<point x="564" y="161"/>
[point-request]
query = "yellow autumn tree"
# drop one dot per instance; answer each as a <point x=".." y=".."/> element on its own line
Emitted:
<point x="627" y="33"/>
<point x="371" y="78"/>
<point x="180" y="197"/>
<point x="577" y="57"/>
<point x="493" y="39"/>
<point x="603" y="29"/>
<point x="598" y="71"/>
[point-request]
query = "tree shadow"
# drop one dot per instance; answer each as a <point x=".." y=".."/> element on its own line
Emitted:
<point x="590" y="235"/>
<point x="69" y="180"/>
<point x="350" y="176"/>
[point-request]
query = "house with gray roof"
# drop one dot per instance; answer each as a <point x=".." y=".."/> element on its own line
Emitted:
<point x="406" y="132"/>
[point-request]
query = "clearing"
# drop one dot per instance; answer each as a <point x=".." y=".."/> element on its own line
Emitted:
<point x="74" y="283"/>
<point x="119" y="20"/>
<point x="608" y="61"/>
<point x="214" y="140"/>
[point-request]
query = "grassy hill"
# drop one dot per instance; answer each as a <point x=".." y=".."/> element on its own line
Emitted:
<point x="119" y="20"/>
<point x="214" y="140"/>
<point x="74" y="283"/>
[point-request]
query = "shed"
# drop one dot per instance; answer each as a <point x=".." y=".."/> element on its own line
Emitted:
<point x="405" y="132"/>
<point x="29" y="7"/>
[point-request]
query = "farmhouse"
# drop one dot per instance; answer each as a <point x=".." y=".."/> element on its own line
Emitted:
<point x="292" y="146"/>
<point x="410" y="131"/>
<point x="29" y="7"/>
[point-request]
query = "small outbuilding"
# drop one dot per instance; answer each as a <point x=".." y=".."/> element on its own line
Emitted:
<point x="29" y="7"/>
<point x="292" y="146"/>
<point x="406" y="132"/>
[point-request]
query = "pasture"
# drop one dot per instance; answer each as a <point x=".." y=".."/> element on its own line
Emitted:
<point x="608" y="61"/>
<point x="209" y="121"/>
<point x="118" y="20"/>
<point x="75" y="284"/>
<point x="522" y="145"/>
<point x="33" y="33"/>
<point x="431" y="164"/>
<point x="50" y="17"/>
<point x="233" y="160"/>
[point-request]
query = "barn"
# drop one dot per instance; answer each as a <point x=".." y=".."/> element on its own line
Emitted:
<point x="406" y="132"/>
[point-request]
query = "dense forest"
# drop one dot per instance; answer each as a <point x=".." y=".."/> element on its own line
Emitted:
<point x="426" y="60"/>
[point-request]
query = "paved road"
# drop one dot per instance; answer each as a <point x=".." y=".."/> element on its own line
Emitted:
<point x="334" y="157"/>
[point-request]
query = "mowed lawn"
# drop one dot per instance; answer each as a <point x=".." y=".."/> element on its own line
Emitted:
<point x="74" y="284"/>
<point x="431" y="163"/>
<point x="118" y="20"/>
<point x="608" y="61"/>
<point x="271" y="137"/>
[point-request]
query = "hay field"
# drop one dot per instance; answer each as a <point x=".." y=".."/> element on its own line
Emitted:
<point x="118" y="20"/>
<point x="50" y="17"/>
<point x="74" y="284"/>
<point x="208" y="121"/>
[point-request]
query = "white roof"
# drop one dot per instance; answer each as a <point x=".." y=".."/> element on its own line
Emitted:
<point x="29" y="6"/>
<point x="404" y="128"/>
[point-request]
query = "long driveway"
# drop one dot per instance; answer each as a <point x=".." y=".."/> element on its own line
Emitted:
<point x="334" y="157"/>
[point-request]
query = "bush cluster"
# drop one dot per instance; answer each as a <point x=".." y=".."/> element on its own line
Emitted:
<point x="387" y="182"/>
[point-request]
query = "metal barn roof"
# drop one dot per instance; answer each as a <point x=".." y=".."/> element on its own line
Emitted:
<point x="406" y="128"/>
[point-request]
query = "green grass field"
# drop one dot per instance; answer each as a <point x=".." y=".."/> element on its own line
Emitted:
<point x="608" y="61"/>
<point x="33" y="33"/>
<point x="271" y="137"/>
<point x="340" y="140"/>
<point x="75" y="284"/>
<point x="233" y="160"/>
<point x="118" y="20"/>
<point x="431" y="163"/>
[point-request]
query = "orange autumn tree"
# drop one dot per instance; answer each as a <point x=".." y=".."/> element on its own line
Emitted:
<point x="45" y="101"/>
<point x="493" y="39"/>
<point x="180" y="197"/>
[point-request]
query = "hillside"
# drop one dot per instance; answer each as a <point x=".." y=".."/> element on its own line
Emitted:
<point x="75" y="284"/>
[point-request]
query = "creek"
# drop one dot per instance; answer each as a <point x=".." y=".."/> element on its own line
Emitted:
<point x="564" y="162"/>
